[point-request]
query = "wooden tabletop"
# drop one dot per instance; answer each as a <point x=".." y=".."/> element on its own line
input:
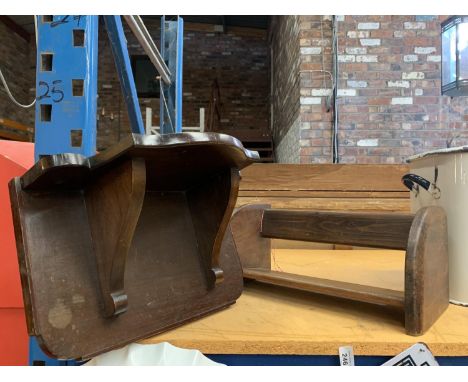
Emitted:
<point x="274" y="320"/>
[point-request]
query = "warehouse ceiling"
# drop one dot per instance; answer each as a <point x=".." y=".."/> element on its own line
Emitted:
<point x="259" y="22"/>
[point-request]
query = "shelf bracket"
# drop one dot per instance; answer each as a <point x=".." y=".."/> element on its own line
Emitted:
<point x="114" y="202"/>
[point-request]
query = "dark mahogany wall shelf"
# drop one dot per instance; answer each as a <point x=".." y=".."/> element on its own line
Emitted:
<point x="128" y="243"/>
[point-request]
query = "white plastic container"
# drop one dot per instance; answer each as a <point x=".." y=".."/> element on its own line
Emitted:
<point x="162" y="354"/>
<point x="446" y="170"/>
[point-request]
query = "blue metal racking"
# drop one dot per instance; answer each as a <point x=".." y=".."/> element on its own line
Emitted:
<point x="66" y="85"/>
<point x="66" y="92"/>
<point x="170" y="108"/>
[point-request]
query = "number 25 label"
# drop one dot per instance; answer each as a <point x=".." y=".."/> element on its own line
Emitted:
<point x="52" y="92"/>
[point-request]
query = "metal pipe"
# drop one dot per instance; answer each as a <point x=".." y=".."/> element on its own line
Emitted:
<point x="144" y="38"/>
<point x="335" y="144"/>
<point x="152" y="45"/>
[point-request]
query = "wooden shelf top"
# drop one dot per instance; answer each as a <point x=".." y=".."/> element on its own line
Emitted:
<point x="274" y="320"/>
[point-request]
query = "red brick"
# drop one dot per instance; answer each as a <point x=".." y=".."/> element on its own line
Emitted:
<point x="422" y="100"/>
<point x="379" y="101"/>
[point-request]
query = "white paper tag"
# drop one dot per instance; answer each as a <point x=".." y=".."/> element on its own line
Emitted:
<point x="346" y="356"/>
<point x="417" y="355"/>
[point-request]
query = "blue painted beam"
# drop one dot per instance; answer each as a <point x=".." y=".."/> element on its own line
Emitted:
<point x="66" y="85"/>
<point x="38" y="358"/>
<point x="124" y="69"/>
<point x="179" y="74"/>
<point x="66" y="93"/>
<point x="172" y="39"/>
<point x="314" y="360"/>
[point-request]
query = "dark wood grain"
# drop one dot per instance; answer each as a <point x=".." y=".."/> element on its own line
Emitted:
<point x="253" y="249"/>
<point x="364" y="229"/>
<point x="350" y="291"/>
<point x="60" y="206"/>
<point x="21" y="244"/>
<point x="211" y="204"/>
<point x="181" y="160"/>
<point x="113" y="203"/>
<point x="426" y="270"/>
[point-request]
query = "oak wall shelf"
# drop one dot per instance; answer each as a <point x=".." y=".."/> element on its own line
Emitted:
<point x="423" y="236"/>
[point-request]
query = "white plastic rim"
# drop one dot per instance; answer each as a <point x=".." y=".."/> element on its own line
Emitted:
<point x="452" y="180"/>
<point x="162" y="354"/>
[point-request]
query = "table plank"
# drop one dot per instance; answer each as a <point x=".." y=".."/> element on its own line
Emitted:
<point x="323" y="177"/>
<point x="330" y="204"/>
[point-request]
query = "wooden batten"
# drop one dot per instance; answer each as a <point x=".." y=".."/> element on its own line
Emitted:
<point x="333" y="288"/>
<point x="368" y="230"/>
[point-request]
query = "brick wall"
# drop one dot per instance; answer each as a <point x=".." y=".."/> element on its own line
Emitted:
<point x="390" y="105"/>
<point x="315" y="88"/>
<point x="285" y="90"/>
<point x="17" y="61"/>
<point x="288" y="150"/>
<point x="237" y="58"/>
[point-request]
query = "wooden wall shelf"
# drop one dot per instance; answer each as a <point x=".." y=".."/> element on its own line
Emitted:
<point x="423" y="236"/>
<point x="128" y="243"/>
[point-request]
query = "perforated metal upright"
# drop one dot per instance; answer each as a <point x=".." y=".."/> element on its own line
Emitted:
<point x="170" y="108"/>
<point x="119" y="48"/>
<point x="66" y="85"/>
<point x="66" y="100"/>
